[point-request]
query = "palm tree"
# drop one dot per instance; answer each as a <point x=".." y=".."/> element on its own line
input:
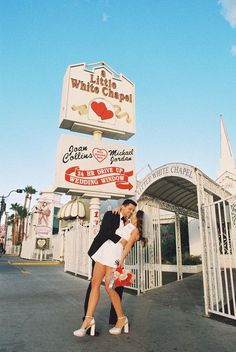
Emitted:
<point x="29" y="190"/>
<point x="10" y="222"/>
<point x="15" y="223"/>
<point x="17" y="220"/>
<point x="22" y="213"/>
<point x="10" y="219"/>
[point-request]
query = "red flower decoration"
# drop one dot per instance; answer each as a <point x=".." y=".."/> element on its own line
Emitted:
<point x="123" y="277"/>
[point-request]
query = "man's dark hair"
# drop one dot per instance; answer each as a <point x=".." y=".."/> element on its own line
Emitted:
<point x="129" y="201"/>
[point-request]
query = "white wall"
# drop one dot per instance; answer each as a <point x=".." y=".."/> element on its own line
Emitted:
<point x="57" y="245"/>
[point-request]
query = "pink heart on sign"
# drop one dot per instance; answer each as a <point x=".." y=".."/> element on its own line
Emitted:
<point x="99" y="154"/>
<point x="41" y="243"/>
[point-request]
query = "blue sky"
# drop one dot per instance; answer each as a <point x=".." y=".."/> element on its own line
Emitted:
<point x="181" y="55"/>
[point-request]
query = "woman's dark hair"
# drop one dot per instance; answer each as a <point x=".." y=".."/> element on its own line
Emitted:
<point x="140" y="216"/>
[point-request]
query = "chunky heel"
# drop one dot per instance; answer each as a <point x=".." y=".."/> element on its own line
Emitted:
<point x="117" y="331"/>
<point x="82" y="331"/>
<point x="126" y="328"/>
<point x="92" y="330"/>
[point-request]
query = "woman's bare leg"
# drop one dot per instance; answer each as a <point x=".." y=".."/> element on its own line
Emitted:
<point x="98" y="275"/>
<point x="114" y="297"/>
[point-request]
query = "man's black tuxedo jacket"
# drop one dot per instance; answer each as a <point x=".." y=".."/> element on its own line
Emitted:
<point x="109" y="225"/>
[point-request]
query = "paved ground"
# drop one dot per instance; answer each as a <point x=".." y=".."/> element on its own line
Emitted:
<point x="42" y="305"/>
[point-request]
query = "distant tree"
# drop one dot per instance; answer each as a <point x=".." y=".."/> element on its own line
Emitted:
<point x="22" y="213"/>
<point x="19" y="220"/>
<point x="10" y="220"/>
<point x="168" y="241"/>
<point x="15" y="223"/>
<point x="168" y="244"/>
<point x="29" y="191"/>
<point x="184" y="235"/>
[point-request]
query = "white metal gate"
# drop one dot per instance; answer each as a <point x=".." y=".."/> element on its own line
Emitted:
<point x="144" y="262"/>
<point x="76" y="250"/>
<point x="219" y="266"/>
<point x="150" y="255"/>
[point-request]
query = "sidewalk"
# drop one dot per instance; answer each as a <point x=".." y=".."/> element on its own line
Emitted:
<point x="40" y="310"/>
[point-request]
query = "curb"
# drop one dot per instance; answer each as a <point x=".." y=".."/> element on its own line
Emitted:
<point x="34" y="263"/>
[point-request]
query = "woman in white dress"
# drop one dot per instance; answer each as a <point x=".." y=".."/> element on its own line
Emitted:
<point x="106" y="259"/>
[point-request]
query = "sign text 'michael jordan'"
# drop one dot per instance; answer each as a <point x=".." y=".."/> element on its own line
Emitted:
<point x="101" y="84"/>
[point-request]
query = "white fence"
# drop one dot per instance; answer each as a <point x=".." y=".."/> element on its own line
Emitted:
<point x="76" y="247"/>
<point x="77" y="261"/>
<point x="220" y="265"/>
<point x="144" y="262"/>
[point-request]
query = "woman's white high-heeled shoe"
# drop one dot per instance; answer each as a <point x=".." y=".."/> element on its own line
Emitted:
<point x="117" y="331"/>
<point x="82" y="331"/>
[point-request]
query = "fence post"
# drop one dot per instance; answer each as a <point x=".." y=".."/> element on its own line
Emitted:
<point x="178" y="248"/>
<point x="202" y="223"/>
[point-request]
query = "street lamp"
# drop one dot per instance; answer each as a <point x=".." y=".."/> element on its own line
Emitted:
<point x="3" y="203"/>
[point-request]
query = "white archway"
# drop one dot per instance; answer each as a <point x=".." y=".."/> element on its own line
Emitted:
<point x="184" y="190"/>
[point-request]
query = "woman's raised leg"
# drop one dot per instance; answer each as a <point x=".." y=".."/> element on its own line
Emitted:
<point x="115" y="298"/>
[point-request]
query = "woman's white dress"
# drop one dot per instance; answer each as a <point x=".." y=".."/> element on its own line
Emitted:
<point x="109" y="253"/>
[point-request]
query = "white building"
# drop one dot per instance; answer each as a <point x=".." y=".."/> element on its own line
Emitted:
<point x="42" y="227"/>
<point x="226" y="179"/>
<point x="227" y="170"/>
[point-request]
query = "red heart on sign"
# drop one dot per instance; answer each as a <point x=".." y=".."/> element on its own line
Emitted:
<point x="107" y="114"/>
<point x="101" y="110"/>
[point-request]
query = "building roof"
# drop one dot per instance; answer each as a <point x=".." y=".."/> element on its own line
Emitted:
<point x="175" y="190"/>
<point x="72" y="209"/>
<point x="176" y="187"/>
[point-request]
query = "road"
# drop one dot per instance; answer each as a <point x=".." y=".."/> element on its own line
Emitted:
<point x="42" y="305"/>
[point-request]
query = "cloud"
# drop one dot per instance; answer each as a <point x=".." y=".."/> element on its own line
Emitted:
<point x="105" y="17"/>
<point x="233" y="50"/>
<point x="229" y="11"/>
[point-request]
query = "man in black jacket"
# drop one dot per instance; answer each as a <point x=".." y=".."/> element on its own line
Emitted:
<point x="110" y="223"/>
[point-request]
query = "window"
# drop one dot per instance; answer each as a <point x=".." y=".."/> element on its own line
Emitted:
<point x="55" y="226"/>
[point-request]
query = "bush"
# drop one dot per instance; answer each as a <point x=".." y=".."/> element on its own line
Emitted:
<point x="191" y="259"/>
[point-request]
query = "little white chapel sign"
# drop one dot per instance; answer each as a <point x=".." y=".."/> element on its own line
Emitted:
<point x="96" y="97"/>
